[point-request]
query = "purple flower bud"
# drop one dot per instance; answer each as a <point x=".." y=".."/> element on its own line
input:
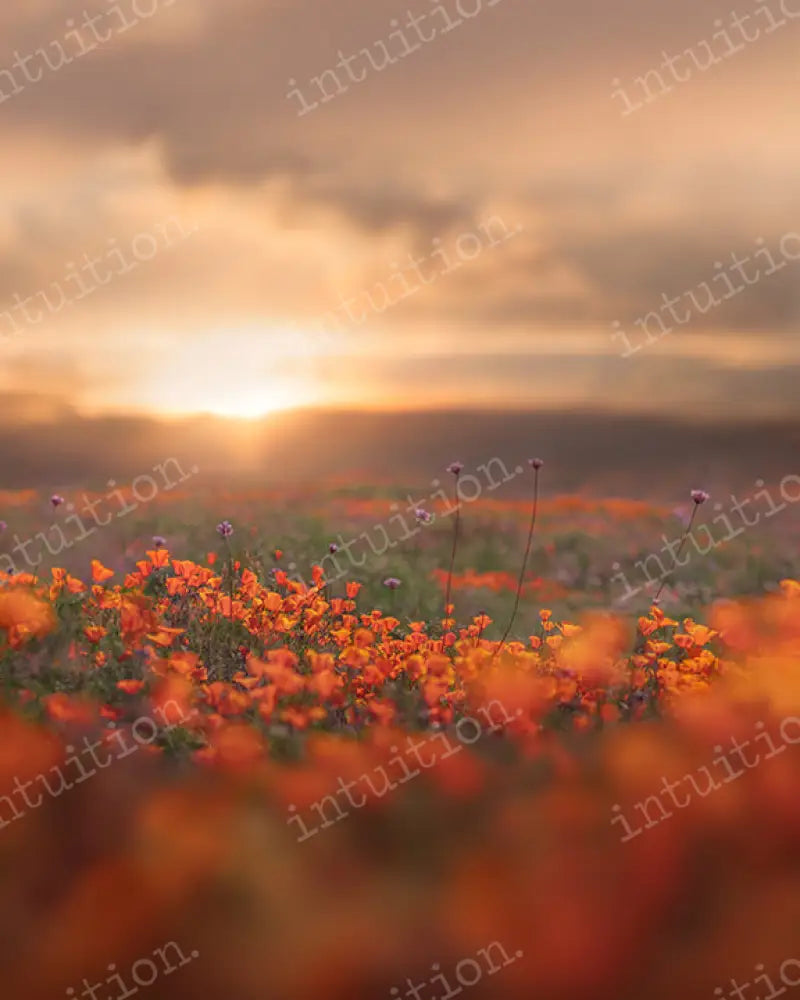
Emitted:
<point x="225" y="529"/>
<point x="423" y="516"/>
<point x="333" y="547"/>
<point x="535" y="463"/>
<point x="391" y="582"/>
<point x="699" y="496"/>
<point x="456" y="468"/>
<point x="159" y="541"/>
<point x="56" y="500"/>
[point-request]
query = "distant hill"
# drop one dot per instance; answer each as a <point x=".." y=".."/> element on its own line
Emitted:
<point x="597" y="452"/>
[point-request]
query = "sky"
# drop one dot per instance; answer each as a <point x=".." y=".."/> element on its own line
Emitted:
<point x="244" y="207"/>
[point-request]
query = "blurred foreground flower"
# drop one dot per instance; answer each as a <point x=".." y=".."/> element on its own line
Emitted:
<point x="23" y="614"/>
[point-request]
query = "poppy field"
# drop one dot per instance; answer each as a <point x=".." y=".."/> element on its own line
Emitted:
<point x="344" y="743"/>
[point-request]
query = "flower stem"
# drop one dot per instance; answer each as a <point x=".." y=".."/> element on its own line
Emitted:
<point x="524" y="566"/>
<point x="452" y="562"/>
<point x="680" y="549"/>
<point x="230" y="575"/>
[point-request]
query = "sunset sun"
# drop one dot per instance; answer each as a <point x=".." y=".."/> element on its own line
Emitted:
<point x="250" y="404"/>
<point x="241" y="374"/>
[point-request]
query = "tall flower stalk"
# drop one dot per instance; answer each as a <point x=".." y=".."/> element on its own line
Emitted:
<point x="535" y="464"/>
<point x="652" y="688"/>
<point x="225" y="530"/>
<point x="699" y="497"/>
<point x="392" y="583"/>
<point x="455" y="468"/>
<point x="422" y="518"/>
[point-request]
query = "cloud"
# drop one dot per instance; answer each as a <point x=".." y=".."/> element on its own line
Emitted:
<point x="186" y="115"/>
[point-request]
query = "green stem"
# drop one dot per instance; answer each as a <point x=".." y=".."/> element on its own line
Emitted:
<point x="680" y="549"/>
<point x="524" y="566"/>
<point x="452" y="562"/>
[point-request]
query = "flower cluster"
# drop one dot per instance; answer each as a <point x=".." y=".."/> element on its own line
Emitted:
<point x="284" y="658"/>
<point x="212" y="752"/>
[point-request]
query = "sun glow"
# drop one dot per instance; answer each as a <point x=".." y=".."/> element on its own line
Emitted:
<point x="251" y="404"/>
<point x="243" y="374"/>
